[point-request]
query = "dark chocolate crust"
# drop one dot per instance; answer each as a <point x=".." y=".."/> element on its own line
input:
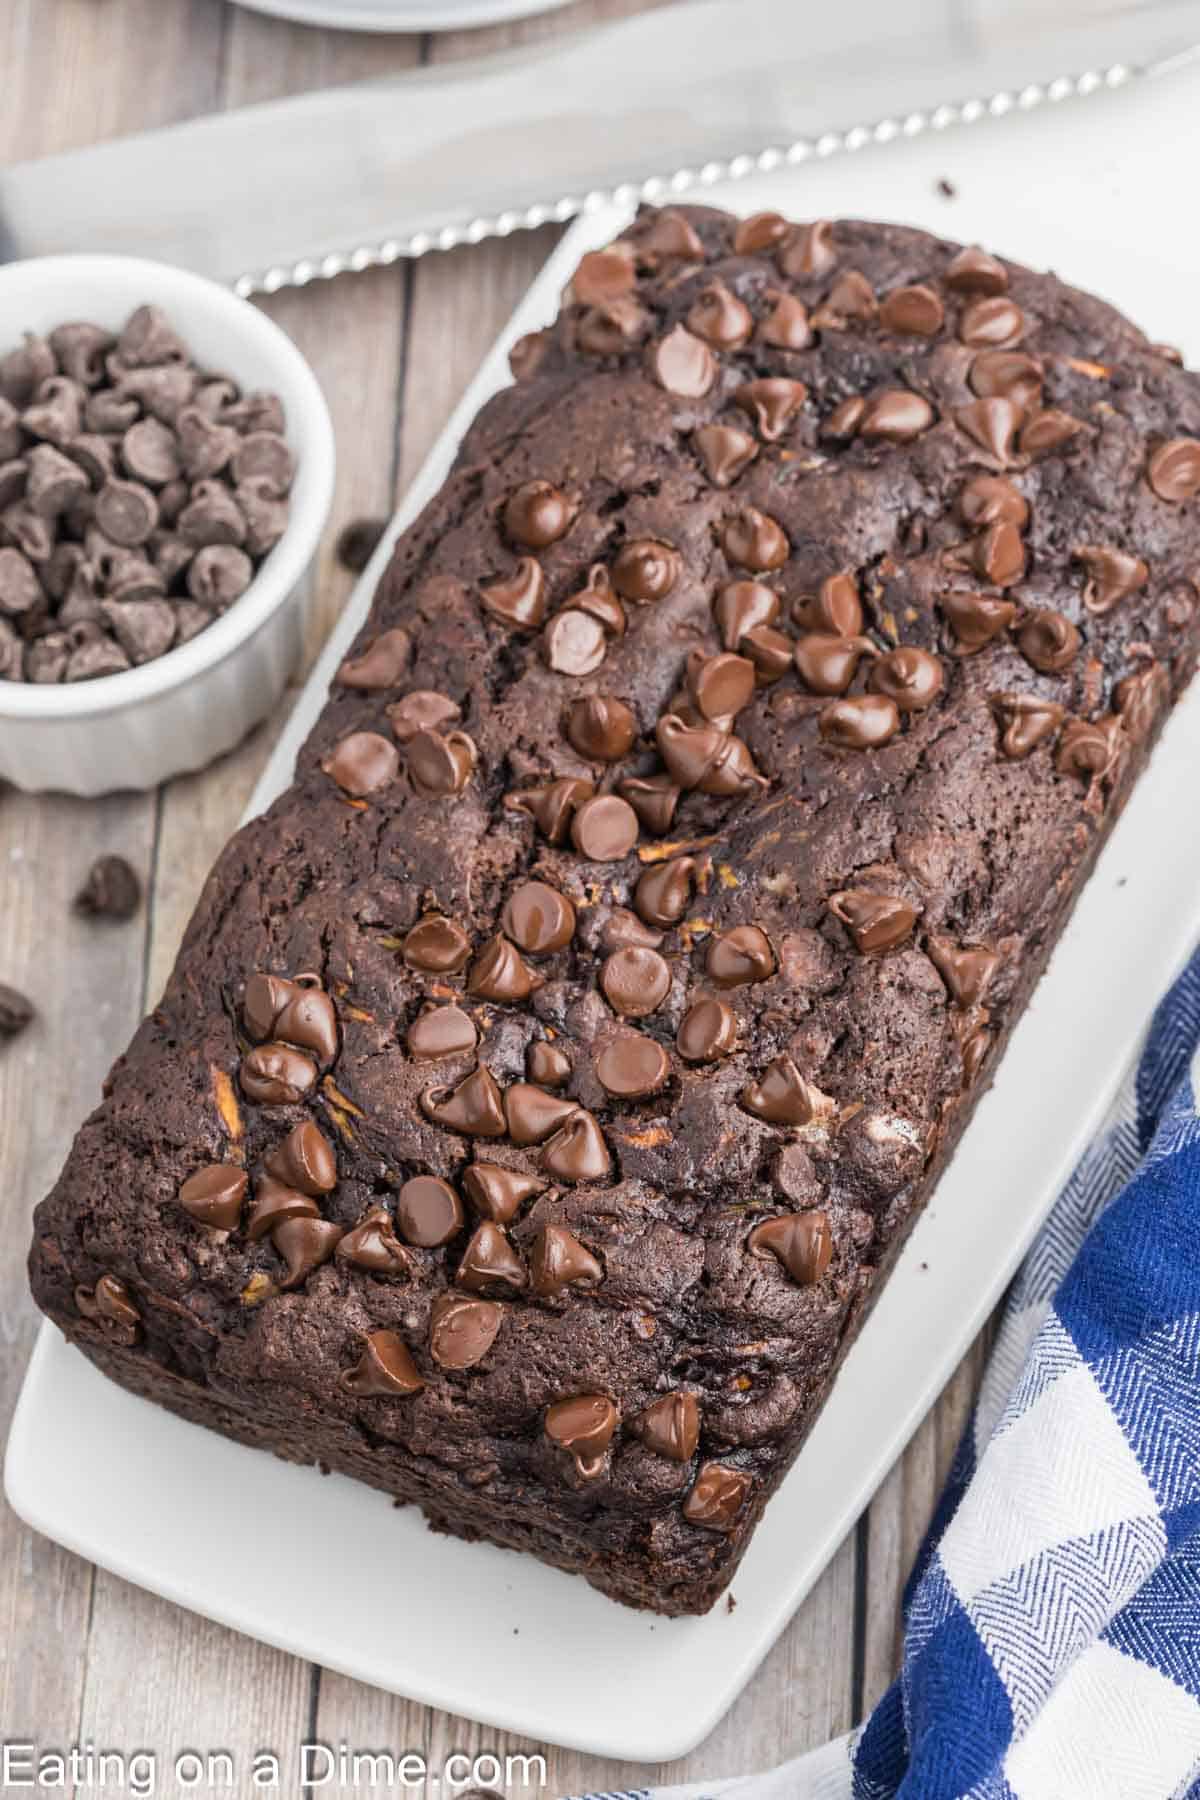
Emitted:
<point x="977" y="849"/>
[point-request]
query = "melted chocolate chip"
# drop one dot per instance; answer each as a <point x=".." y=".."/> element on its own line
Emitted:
<point x="976" y="619"/>
<point x="808" y="251"/>
<point x="372" y="1244"/>
<point x="474" y="1107"/>
<point x="706" y="757"/>
<point x="741" y="606"/>
<point x="547" y="1065"/>
<point x="635" y="981"/>
<point x="110" y="1306"/>
<point x="489" y="1263"/>
<point x="739" y="956"/>
<point x="533" y="1115"/>
<point x="362" y="764"/>
<point x="720" y="685"/>
<point x="664" y="891"/>
<point x="1090" y="747"/>
<point x="518" y="600"/>
<point x="772" y="402"/>
<point x="384" y="1369"/>
<point x="993" y="322"/>
<point x="973" y="271"/>
<point x="863" y="722"/>
<point x="967" y="970"/>
<point x="645" y="570"/>
<point x="553" y="806"/>
<point x="574" y="643"/>
<point x="1007" y="375"/>
<point x="601" y="728"/>
<point x="827" y="665"/>
<point x="304" y="1245"/>
<point x="725" y="452"/>
<point x="835" y="610"/>
<point x="428" y="1211"/>
<point x="631" y="1067"/>
<point x="653" y="798"/>
<point x="1112" y="576"/>
<point x="1049" y="641"/>
<point x="913" y="678"/>
<point x="440" y="765"/>
<point x="683" y="364"/>
<point x="605" y="829"/>
<point x="875" y="922"/>
<point x="436" y="945"/>
<point x="787" y="326"/>
<point x="708" y="1030"/>
<point x="583" y="1425"/>
<point x="914" y="311"/>
<point x="276" y="1075"/>
<point x="1174" y="470"/>
<point x="274" y="1203"/>
<point x="761" y="231"/>
<point x="422" y="710"/>
<point x="850" y="298"/>
<point x="991" y="424"/>
<point x="1047" y="431"/>
<point x="755" y="541"/>
<point x="497" y="1193"/>
<point x="441" y="1031"/>
<point x="720" y="318"/>
<point x="381" y="665"/>
<point x="214" y="1195"/>
<point x="461" y="1331"/>
<point x="538" y="918"/>
<point x="577" y="1151"/>
<point x="1141" y="700"/>
<point x="671" y="1426"/>
<point x="717" y="1497"/>
<point x="500" y="973"/>
<point x="309" y="1021"/>
<point x="305" y="1160"/>
<point x="558" y="1260"/>
<point x="604" y="275"/>
<point x="802" y="1242"/>
<point x="537" y="514"/>
<point x="782" y="1096"/>
<point x="896" y="416"/>
<point x="1025" y="722"/>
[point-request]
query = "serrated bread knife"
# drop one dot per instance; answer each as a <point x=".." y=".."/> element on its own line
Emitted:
<point x="665" y="102"/>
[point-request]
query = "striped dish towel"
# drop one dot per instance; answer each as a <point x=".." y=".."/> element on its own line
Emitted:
<point x="1052" y="1622"/>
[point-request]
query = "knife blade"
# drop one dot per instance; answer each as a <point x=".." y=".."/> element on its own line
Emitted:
<point x="339" y="179"/>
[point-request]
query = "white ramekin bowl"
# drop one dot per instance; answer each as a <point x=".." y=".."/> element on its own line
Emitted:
<point x="176" y="713"/>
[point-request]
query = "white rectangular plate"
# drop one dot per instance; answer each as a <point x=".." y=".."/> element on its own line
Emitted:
<point x="537" y="1652"/>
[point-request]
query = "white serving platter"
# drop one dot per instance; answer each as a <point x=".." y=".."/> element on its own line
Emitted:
<point x="400" y="15"/>
<point x="1085" y="189"/>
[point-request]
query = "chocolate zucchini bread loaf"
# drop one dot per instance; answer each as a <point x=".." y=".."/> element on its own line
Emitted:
<point x="548" y="1080"/>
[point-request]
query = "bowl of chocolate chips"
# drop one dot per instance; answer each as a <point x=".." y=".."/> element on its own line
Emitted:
<point x="166" y="471"/>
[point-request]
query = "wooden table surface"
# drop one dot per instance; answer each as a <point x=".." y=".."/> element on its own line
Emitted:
<point x="84" y="1656"/>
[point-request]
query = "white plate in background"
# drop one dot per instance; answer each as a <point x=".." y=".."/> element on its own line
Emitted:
<point x="1087" y="188"/>
<point x="400" y="15"/>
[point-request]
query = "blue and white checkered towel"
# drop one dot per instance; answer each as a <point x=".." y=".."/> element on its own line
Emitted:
<point x="1052" y="1623"/>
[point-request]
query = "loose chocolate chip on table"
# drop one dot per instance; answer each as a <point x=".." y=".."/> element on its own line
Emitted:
<point x="559" y="1261"/>
<point x="802" y="1242"/>
<point x="441" y="1031"/>
<point x="15" y="1011"/>
<point x="214" y="1196"/>
<point x="875" y="922"/>
<point x="632" y="1067"/>
<point x="112" y="889"/>
<point x="384" y="1368"/>
<point x="357" y="542"/>
<point x="717" y="1497"/>
<point x="380" y="665"/>
<point x="428" y="1212"/>
<point x="671" y="1426"/>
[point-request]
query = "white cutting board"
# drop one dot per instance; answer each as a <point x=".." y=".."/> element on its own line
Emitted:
<point x="1089" y="188"/>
